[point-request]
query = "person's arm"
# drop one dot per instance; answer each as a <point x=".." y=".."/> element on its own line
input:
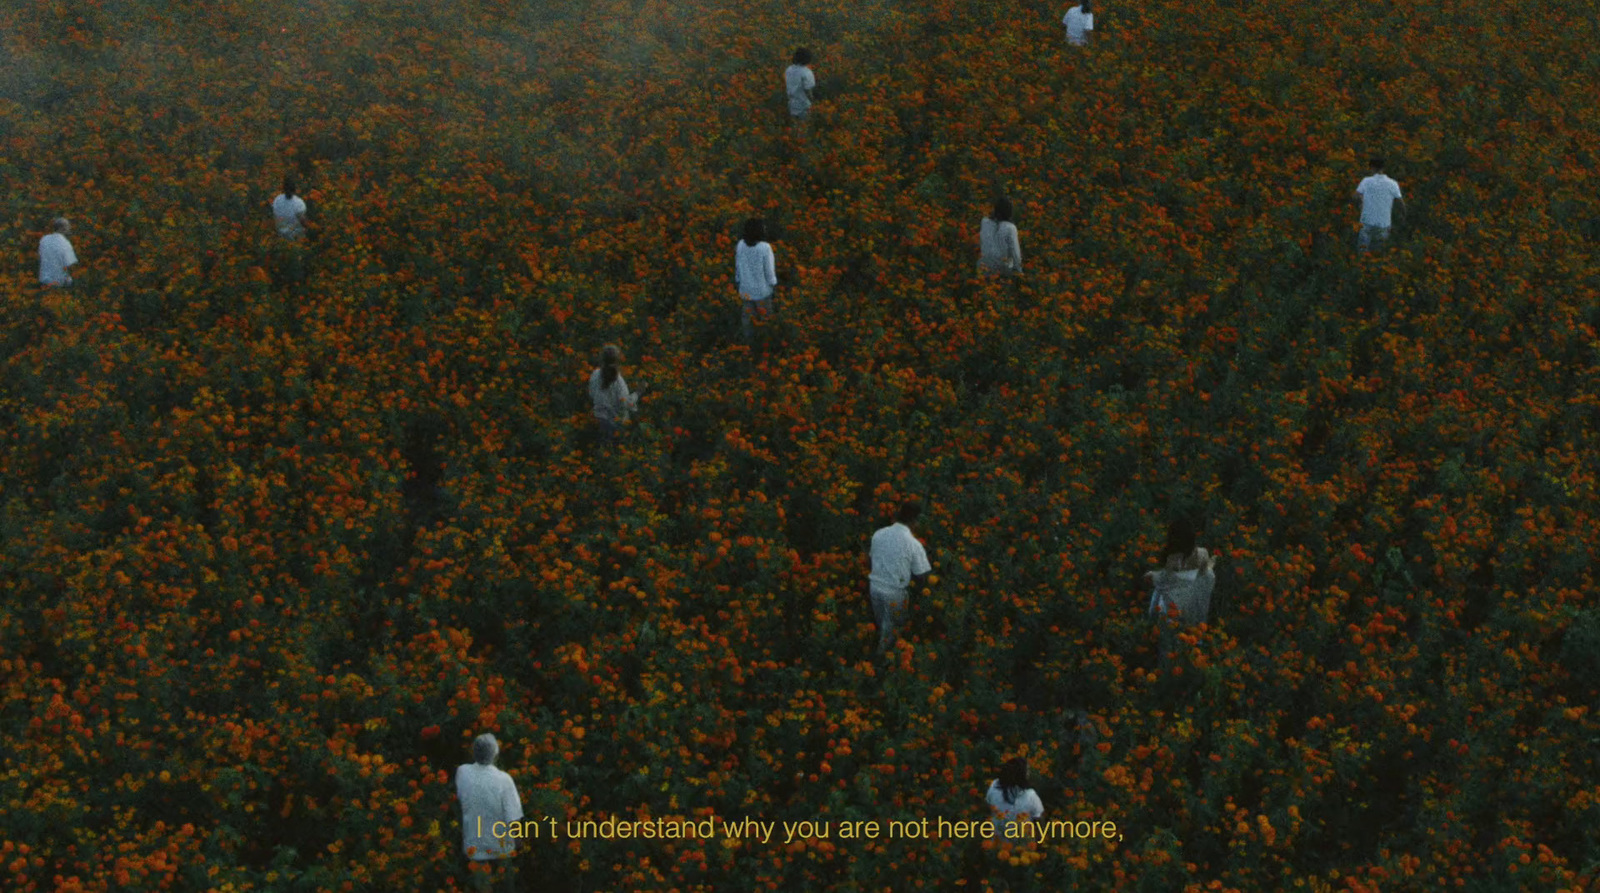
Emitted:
<point x="1402" y="200"/>
<point x="1015" y="247"/>
<point x="810" y="85"/>
<point x="772" y="267"/>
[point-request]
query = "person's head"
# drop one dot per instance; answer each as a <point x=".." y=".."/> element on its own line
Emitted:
<point x="1083" y="6"/>
<point x="755" y="231"/>
<point x="485" y="749"/>
<point x="1014" y="777"/>
<point x="61" y="225"/>
<point x="610" y="363"/>
<point x="1377" y="164"/>
<point x="1180" y="538"/>
<point x="802" y="56"/>
<point x="1002" y="210"/>
<point x="908" y="513"/>
<point x="289" y="186"/>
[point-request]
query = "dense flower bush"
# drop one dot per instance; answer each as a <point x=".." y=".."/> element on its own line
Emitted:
<point x="275" y="548"/>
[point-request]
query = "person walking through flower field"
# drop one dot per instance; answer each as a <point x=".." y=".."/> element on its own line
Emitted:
<point x="1377" y="195"/>
<point x="289" y="220"/>
<point x="488" y="798"/>
<point x="1185" y="580"/>
<point x="1010" y="799"/>
<point x="999" y="250"/>
<point x="799" y="82"/>
<point x="755" y="274"/>
<point x="1079" y="21"/>
<point x="899" y="564"/>
<point x="610" y="395"/>
<point x="56" y="255"/>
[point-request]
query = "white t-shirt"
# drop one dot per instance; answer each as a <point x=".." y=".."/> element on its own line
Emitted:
<point x="998" y="246"/>
<point x="286" y="212"/>
<point x="489" y="795"/>
<point x="755" y="271"/>
<point x="798" y="79"/>
<point x="614" y="403"/>
<point x="55" y="255"/>
<point x="1027" y="803"/>
<point x="1378" y="193"/>
<point x="1079" y="24"/>
<point x="897" y="556"/>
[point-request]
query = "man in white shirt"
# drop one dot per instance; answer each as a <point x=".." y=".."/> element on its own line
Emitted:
<point x="489" y="803"/>
<point x="289" y="212"/>
<point x="898" y="563"/>
<point x="56" y="255"/>
<point x="799" y="81"/>
<point x="1079" y="21"/>
<point x="1377" y="195"/>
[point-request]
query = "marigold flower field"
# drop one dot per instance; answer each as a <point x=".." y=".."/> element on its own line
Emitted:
<point x="274" y="549"/>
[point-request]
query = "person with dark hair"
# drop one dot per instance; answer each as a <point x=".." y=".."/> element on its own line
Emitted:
<point x="899" y="564"/>
<point x="489" y="804"/>
<point x="609" y="393"/>
<point x="1010" y="799"/>
<point x="799" y="82"/>
<point x="1079" y="21"/>
<point x="56" y="255"/>
<point x="755" y="274"/>
<point x="1186" y="579"/>
<point x="289" y="211"/>
<point x="999" y="250"/>
<point x="1377" y="195"/>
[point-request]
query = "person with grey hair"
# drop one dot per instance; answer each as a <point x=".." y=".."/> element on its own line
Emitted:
<point x="609" y="393"/>
<point x="56" y="255"/>
<point x="489" y="803"/>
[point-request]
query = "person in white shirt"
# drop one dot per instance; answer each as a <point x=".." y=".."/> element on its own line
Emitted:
<point x="1377" y="195"/>
<point x="1010" y="799"/>
<point x="755" y="273"/>
<point x="56" y="255"/>
<point x="609" y="393"/>
<point x="799" y="81"/>
<point x="289" y="212"/>
<point x="489" y="802"/>
<point x="1185" y="581"/>
<point x="1079" y="21"/>
<point x="899" y="563"/>
<point x="999" y="251"/>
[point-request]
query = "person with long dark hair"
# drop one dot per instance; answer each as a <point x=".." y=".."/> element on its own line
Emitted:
<point x="999" y="250"/>
<point x="609" y="393"/>
<point x="1186" y="578"/>
<point x="755" y="274"/>
<point x="1010" y="799"/>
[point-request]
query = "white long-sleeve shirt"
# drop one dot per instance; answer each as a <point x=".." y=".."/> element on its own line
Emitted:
<point x="999" y="248"/>
<point x="55" y="256"/>
<point x="614" y="403"/>
<point x="487" y="796"/>
<point x="754" y="270"/>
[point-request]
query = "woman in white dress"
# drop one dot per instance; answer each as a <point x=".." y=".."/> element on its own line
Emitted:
<point x="1010" y="799"/>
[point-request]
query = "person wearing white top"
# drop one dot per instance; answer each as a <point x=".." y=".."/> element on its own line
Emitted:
<point x="1377" y="195"/>
<point x="1079" y="21"/>
<point x="56" y="255"/>
<point x="289" y="212"/>
<point x="489" y="802"/>
<point x="798" y="82"/>
<point x="999" y="250"/>
<point x="899" y="563"/>
<point x="609" y="393"/>
<point x="755" y="273"/>
<point x="1010" y="799"/>
<point x="1186" y="580"/>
